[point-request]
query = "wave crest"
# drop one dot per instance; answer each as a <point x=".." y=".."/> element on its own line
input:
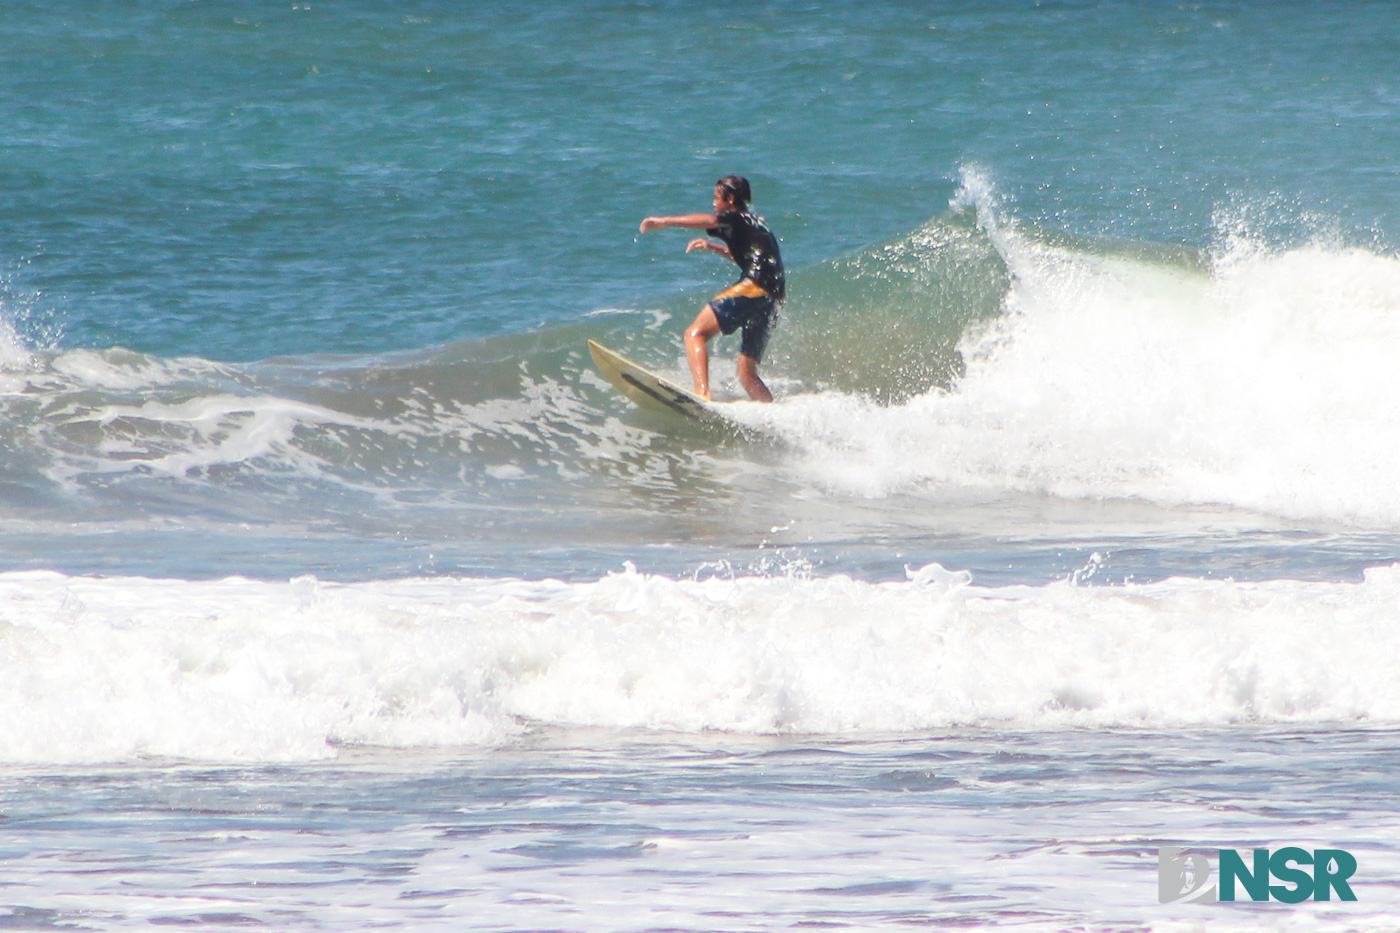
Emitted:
<point x="107" y="669"/>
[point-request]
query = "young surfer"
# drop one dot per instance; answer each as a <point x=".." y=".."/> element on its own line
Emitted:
<point x="750" y="304"/>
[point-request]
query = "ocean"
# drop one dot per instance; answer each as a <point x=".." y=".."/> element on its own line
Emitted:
<point x="338" y="591"/>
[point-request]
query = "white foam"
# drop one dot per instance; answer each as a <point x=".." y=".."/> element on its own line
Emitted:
<point x="1267" y="383"/>
<point x="125" y="370"/>
<point x="108" y="669"/>
<point x="188" y="438"/>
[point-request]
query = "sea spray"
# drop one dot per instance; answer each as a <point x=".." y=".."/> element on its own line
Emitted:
<point x="15" y="356"/>
<point x="885" y="322"/>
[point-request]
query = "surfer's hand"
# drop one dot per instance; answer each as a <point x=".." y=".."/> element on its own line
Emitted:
<point x="650" y="224"/>
<point x="699" y="243"/>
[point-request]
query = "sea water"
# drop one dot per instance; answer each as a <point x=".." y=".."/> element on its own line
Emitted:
<point x="339" y="591"/>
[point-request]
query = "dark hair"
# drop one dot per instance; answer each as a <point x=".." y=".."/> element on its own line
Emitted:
<point x="738" y="186"/>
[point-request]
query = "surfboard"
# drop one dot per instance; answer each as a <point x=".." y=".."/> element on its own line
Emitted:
<point x="648" y="390"/>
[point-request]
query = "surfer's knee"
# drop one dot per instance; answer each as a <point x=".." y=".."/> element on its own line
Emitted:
<point x="705" y="326"/>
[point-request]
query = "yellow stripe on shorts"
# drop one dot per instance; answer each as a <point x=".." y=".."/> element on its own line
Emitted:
<point x="744" y="288"/>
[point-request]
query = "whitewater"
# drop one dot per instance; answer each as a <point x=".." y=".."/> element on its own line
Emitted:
<point x="338" y="590"/>
<point x="239" y="670"/>
<point x="1256" y="380"/>
<point x="1161" y="525"/>
<point x="1137" y="495"/>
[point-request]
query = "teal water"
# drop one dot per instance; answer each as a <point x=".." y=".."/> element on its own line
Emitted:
<point x="243" y="180"/>
<point x="378" y="209"/>
<point x="1083" y="450"/>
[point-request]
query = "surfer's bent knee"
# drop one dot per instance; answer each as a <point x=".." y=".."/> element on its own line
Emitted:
<point x="701" y="328"/>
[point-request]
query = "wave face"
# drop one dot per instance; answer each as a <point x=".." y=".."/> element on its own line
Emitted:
<point x="116" y="668"/>
<point x="975" y="359"/>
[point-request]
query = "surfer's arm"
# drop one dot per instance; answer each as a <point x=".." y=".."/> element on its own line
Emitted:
<point x="709" y="246"/>
<point x="689" y="221"/>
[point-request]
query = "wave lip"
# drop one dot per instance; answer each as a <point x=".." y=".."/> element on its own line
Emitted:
<point x="120" y="668"/>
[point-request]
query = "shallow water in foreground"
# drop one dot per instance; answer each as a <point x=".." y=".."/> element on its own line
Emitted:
<point x="580" y="829"/>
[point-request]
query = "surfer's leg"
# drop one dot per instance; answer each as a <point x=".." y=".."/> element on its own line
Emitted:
<point x="705" y="328"/>
<point x="757" y="326"/>
<point x="748" y="378"/>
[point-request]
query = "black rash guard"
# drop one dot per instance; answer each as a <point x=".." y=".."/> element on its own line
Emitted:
<point x="754" y="248"/>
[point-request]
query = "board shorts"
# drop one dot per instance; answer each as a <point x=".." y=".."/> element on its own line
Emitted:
<point x="745" y="305"/>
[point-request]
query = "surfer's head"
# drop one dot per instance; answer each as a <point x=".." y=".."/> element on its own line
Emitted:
<point x="737" y="187"/>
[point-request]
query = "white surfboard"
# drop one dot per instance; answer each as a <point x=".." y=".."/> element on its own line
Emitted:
<point x="648" y="390"/>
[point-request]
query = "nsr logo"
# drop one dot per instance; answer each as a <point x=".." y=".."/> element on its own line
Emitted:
<point x="1183" y="878"/>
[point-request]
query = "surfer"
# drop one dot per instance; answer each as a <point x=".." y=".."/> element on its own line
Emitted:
<point x="750" y="304"/>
